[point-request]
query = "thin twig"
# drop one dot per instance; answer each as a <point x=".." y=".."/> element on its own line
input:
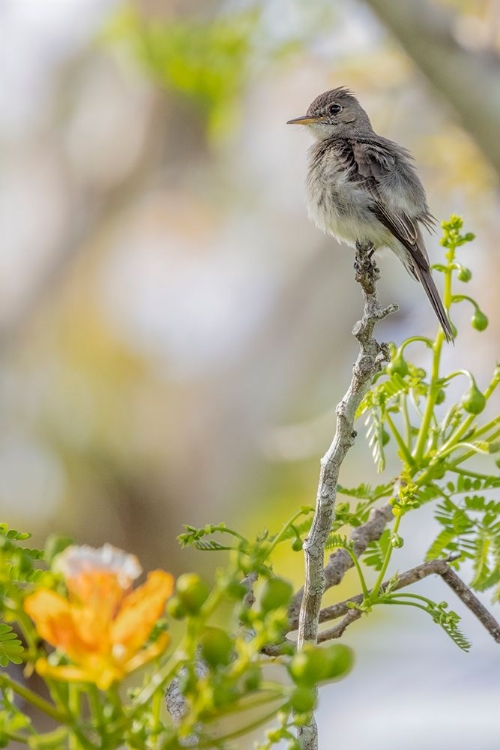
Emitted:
<point x="433" y="567"/>
<point x="368" y="364"/>
<point x="338" y="630"/>
<point x="409" y="577"/>
<point x="472" y="602"/>
<point x="404" y="579"/>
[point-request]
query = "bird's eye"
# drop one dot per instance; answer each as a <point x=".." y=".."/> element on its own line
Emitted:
<point x="334" y="109"/>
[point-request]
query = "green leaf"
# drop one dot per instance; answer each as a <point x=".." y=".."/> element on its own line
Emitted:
<point x="375" y="436"/>
<point x="337" y="541"/>
<point x="444" y="542"/>
<point x="376" y="551"/>
<point x="366" y="491"/>
<point x="11" y="647"/>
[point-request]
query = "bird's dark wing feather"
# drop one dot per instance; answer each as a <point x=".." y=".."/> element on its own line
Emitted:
<point x="373" y="161"/>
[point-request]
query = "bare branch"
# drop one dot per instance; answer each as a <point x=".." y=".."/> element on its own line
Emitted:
<point x="369" y="362"/>
<point x="404" y="579"/>
<point x="472" y="602"/>
<point x="338" y="630"/>
<point x="409" y="577"/>
<point x="434" y="567"/>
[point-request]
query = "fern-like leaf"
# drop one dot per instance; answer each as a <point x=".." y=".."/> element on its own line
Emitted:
<point x="11" y="647"/>
<point x="366" y="491"/>
<point x="376" y="551"/>
<point x="337" y="541"/>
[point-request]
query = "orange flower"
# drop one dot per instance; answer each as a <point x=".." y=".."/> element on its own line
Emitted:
<point x="103" y="624"/>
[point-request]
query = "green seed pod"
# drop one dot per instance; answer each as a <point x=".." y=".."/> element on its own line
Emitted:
<point x="297" y="545"/>
<point x="479" y="321"/>
<point x="398" y="365"/>
<point x="216" y="647"/>
<point x="441" y="396"/>
<point x="308" y="666"/>
<point x="303" y="700"/>
<point x="339" y="659"/>
<point x="277" y="593"/>
<point x="385" y="437"/>
<point x="175" y="608"/>
<point x="397" y="541"/>
<point x="222" y="695"/>
<point x="315" y="664"/>
<point x="464" y="274"/>
<point x="192" y="592"/>
<point x="252" y="679"/>
<point x="236" y="590"/>
<point x="473" y="401"/>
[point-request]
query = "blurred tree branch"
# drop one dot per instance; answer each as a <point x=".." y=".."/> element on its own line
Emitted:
<point x="468" y="80"/>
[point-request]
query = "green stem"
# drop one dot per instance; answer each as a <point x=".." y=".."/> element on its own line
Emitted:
<point x="409" y="604"/>
<point x="406" y="417"/>
<point x="467" y="473"/>
<point x="467" y="423"/>
<point x="487" y="427"/>
<point x="463" y="298"/>
<point x="74" y="707"/>
<point x="424" y="339"/>
<point x="239" y="707"/>
<point x="277" y="539"/>
<point x="364" y="587"/>
<point x="470" y="453"/>
<point x="243" y="731"/>
<point x="378" y="584"/>
<point x="431" y="399"/>
<point x="15" y="737"/>
<point x="35" y="700"/>
<point x="437" y="348"/>
<point x="96" y="709"/>
<point x="400" y="595"/>
<point x="158" y="680"/>
<point x="458" y="434"/>
<point x="156" y="705"/>
<point x="399" y="440"/>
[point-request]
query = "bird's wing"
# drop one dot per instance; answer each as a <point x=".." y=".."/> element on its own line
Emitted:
<point x="374" y="163"/>
<point x="383" y="167"/>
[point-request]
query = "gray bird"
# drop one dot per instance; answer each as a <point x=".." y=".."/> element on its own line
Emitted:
<point x="363" y="189"/>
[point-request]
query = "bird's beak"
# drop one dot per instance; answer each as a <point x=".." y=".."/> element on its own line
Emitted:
<point x="305" y="120"/>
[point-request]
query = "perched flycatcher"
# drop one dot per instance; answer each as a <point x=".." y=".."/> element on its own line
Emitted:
<point x="363" y="189"/>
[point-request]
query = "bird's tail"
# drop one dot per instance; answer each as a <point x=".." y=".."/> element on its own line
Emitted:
<point x="424" y="276"/>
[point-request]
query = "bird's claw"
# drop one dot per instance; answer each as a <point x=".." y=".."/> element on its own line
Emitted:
<point x="365" y="266"/>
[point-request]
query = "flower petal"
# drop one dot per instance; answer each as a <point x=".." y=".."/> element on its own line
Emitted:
<point x="103" y="675"/>
<point x="75" y="560"/>
<point x="149" y="653"/>
<point x="76" y="630"/>
<point x="141" y="610"/>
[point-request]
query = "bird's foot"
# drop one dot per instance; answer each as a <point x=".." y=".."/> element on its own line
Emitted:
<point x="365" y="267"/>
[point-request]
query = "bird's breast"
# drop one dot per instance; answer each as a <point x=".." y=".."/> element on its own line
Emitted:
<point x="339" y="207"/>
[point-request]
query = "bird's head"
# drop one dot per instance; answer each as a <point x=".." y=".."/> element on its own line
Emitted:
<point x="335" y="113"/>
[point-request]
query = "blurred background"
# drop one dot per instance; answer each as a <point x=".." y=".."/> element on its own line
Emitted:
<point x="175" y="334"/>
